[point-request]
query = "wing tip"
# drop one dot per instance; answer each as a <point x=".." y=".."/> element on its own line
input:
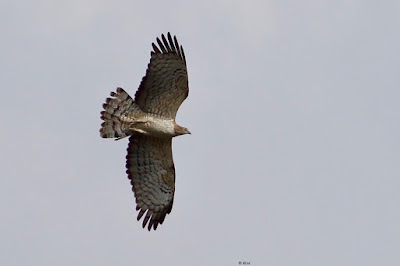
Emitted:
<point x="151" y="219"/>
<point x="167" y="45"/>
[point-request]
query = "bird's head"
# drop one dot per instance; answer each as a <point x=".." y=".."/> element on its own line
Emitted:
<point x="181" y="130"/>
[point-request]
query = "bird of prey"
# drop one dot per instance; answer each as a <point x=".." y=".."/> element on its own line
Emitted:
<point x="149" y="121"/>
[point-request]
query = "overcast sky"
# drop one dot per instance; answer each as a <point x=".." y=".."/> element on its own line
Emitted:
<point x="295" y="119"/>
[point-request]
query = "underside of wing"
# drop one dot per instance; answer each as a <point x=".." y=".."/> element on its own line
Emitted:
<point x="150" y="168"/>
<point x="165" y="85"/>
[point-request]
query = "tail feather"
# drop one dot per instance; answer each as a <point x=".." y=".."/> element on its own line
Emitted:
<point x="120" y="113"/>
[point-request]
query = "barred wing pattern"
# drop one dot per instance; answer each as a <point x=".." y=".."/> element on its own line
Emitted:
<point x="165" y="85"/>
<point x="152" y="173"/>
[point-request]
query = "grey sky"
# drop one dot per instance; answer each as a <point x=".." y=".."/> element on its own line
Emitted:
<point x="294" y="113"/>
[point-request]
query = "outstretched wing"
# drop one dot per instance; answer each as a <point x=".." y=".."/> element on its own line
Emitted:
<point x="165" y="85"/>
<point x="151" y="170"/>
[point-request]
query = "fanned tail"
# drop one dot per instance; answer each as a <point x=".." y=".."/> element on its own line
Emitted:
<point x="120" y="113"/>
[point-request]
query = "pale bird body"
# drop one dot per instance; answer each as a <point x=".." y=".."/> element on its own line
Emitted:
<point x="149" y="120"/>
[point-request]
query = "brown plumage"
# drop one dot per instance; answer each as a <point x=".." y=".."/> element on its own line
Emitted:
<point x="149" y="120"/>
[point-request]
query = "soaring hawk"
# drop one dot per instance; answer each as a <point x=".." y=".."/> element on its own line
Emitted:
<point x="149" y="120"/>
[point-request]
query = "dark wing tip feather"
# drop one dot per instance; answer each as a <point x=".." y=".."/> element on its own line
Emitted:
<point x="152" y="219"/>
<point x="167" y="45"/>
<point x="150" y="225"/>
<point x="183" y="54"/>
<point x="161" y="46"/>
<point x="140" y="214"/>
<point x="177" y="47"/>
<point x="155" y="48"/>
<point x="171" y="43"/>
<point x="146" y="218"/>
